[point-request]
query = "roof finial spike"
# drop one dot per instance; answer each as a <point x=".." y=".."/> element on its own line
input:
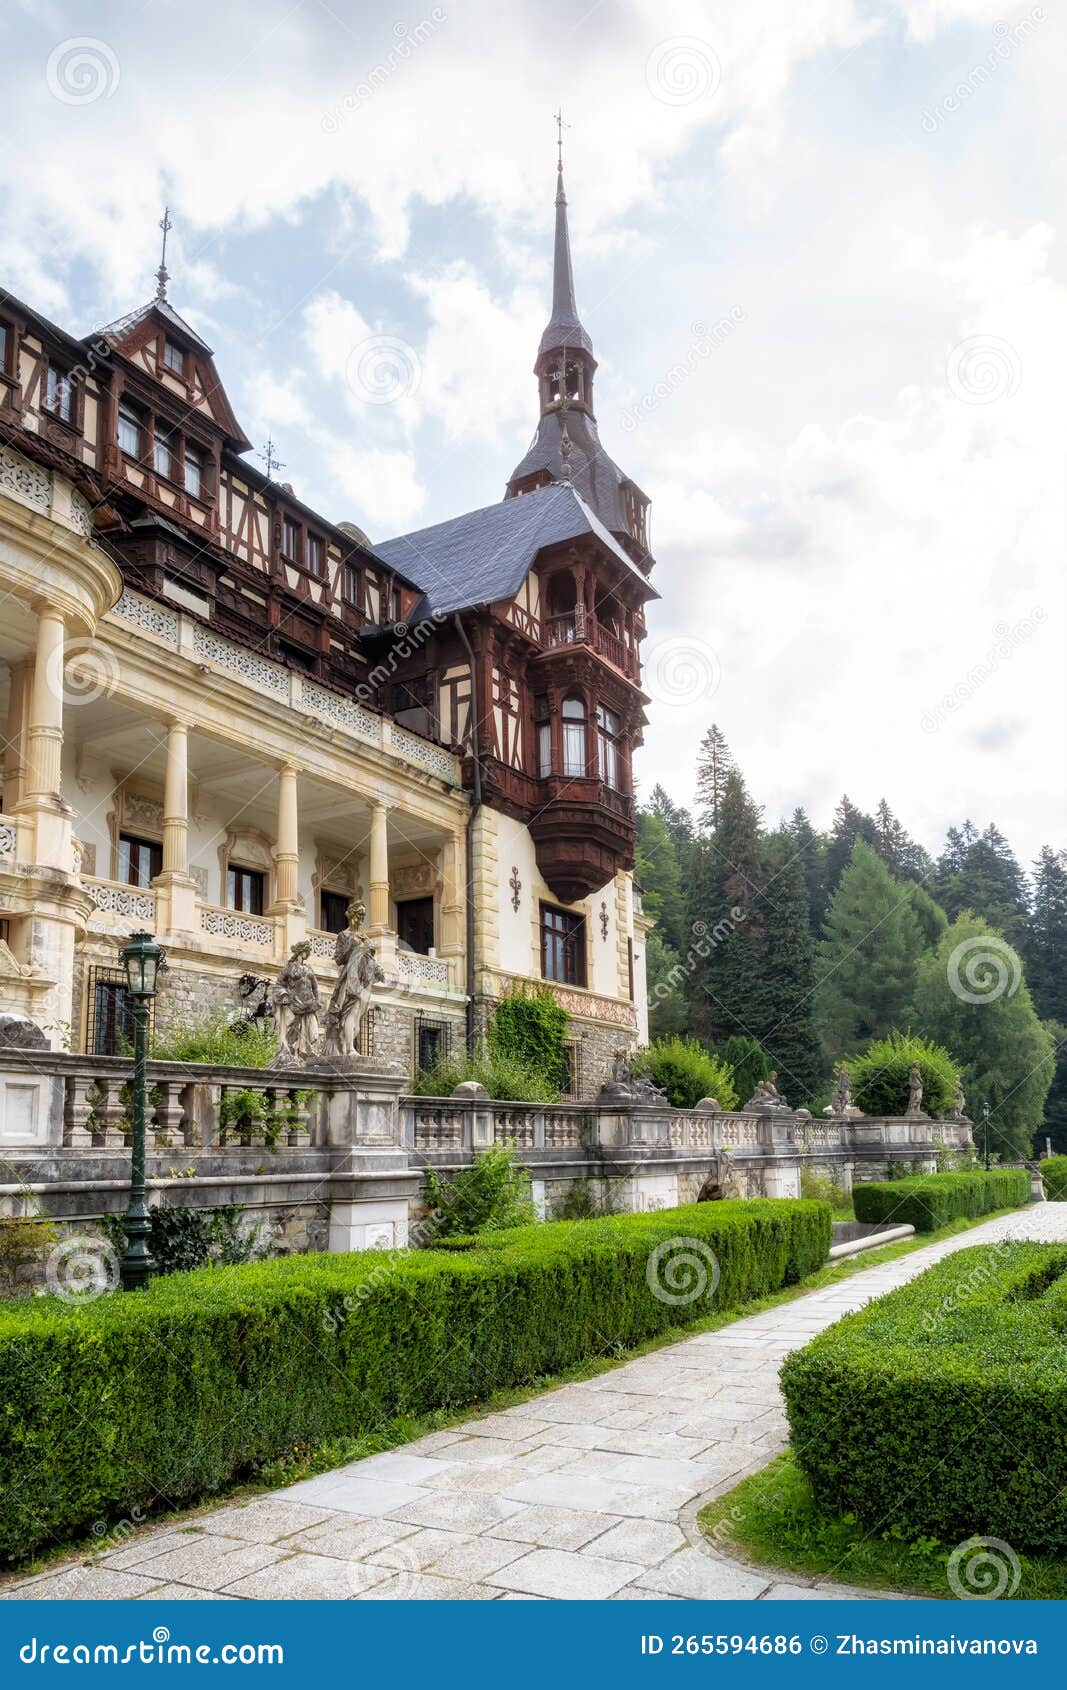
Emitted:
<point x="269" y="458"/>
<point x="560" y="127"/>
<point x="162" y="275"/>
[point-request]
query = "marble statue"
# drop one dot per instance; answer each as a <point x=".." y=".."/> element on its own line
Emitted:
<point x="915" y="1090"/>
<point x="841" y="1096"/>
<point x="959" y="1104"/>
<point x="359" y="974"/>
<point x="296" y="1005"/>
<point x="767" y="1095"/>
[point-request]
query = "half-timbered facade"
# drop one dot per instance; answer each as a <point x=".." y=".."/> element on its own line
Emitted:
<point x="227" y="715"/>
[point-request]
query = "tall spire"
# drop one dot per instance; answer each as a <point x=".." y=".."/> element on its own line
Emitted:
<point x="564" y="326"/>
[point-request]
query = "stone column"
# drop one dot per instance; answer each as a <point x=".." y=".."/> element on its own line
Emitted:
<point x="175" y="888"/>
<point x="452" y="938"/>
<point x="176" y="801"/>
<point x="292" y="925"/>
<point x="378" y="914"/>
<point x="46" y="708"/>
<point x="15" y="736"/>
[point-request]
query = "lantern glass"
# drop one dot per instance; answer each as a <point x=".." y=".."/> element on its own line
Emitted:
<point x="141" y="958"/>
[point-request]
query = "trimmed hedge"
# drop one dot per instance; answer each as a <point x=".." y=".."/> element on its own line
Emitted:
<point x="941" y="1410"/>
<point x="1054" y="1174"/>
<point x="173" y="1393"/>
<point x="928" y="1201"/>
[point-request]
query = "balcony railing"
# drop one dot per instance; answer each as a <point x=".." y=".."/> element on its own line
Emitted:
<point x="576" y="628"/>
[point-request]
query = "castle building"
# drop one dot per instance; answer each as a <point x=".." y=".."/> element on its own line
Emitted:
<point x="227" y="716"/>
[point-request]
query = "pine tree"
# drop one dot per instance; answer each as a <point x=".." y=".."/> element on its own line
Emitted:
<point x="787" y="1030"/>
<point x="995" y="1034"/>
<point x="811" y="848"/>
<point x="928" y="913"/>
<point x="980" y="873"/>
<point x="715" y="765"/>
<point x="849" y="824"/>
<point x="1046" y="942"/>
<point x="867" y="959"/>
<point x="726" y="920"/>
<point x="658" y="873"/>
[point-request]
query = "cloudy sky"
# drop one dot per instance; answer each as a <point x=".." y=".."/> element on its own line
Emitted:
<point x="819" y="248"/>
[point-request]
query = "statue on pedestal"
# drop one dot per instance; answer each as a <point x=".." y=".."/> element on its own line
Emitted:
<point x="915" y="1090"/>
<point x="359" y="974"/>
<point x="841" y="1097"/>
<point x="296" y="1007"/>
<point x="959" y="1104"/>
<point x="625" y="1087"/>
<point x="767" y="1095"/>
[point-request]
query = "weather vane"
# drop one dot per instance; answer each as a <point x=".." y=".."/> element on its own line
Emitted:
<point x="269" y="459"/>
<point x="162" y="277"/>
<point x="560" y="127"/>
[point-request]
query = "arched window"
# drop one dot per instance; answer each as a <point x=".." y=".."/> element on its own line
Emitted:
<point x="574" y="754"/>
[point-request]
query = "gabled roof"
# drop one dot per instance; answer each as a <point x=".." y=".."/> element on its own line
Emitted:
<point x="120" y="328"/>
<point x="486" y="555"/>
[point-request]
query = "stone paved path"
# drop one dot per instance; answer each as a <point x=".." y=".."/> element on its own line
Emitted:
<point x="589" y="1491"/>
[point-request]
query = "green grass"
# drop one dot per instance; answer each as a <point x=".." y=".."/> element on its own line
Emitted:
<point x="772" y="1520"/>
<point x="304" y="1460"/>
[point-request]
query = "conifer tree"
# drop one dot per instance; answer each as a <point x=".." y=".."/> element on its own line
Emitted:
<point x="715" y="765"/>
<point x="849" y="824"/>
<point x="1046" y="942"/>
<point x="786" y="1009"/>
<point x="726" y="919"/>
<point x="867" y="960"/>
<point x="811" y="848"/>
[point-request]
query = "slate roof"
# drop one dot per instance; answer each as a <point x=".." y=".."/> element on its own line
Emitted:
<point x="122" y="325"/>
<point x="594" y="475"/>
<point x="486" y="555"/>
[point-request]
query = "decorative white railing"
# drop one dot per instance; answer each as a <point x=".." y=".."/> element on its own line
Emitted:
<point x="8" y="837"/>
<point x="264" y="675"/>
<point x="230" y="924"/>
<point x="111" y="897"/>
<point x="422" y="970"/>
<point x="322" y="944"/>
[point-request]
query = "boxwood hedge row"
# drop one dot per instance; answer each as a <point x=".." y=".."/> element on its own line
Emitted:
<point x="929" y="1201"/>
<point x="1054" y="1174"/>
<point x="941" y="1410"/>
<point x="162" y="1396"/>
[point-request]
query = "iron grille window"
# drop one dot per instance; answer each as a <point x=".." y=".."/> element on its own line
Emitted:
<point x="433" y="1042"/>
<point x="574" y="1077"/>
<point x="367" y="1038"/>
<point x="109" y="1017"/>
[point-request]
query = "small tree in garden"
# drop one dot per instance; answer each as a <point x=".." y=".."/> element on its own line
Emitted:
<point x="881" y="1076"/>
<point x="529" y="1027"/>
<point x="687" y="1072"/>
<point x="493" y="1193"/>
<point x="748" y="1061"/>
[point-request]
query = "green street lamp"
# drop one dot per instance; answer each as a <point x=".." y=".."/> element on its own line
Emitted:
<point x="985" y="1133"/>
<point x="142" y="959"/>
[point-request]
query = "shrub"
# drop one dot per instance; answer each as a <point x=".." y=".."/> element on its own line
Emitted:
<point x="1054" y="1174"/>
<point x="929" y="1201"/>
<point x="932" y="1397"/>
<point x="504" y="1077"/>
<point x="493" y="1193"/>
<point x="748" y="1061"/>
<point x="530" y="1027"/>
<point x="587" y="1200"/>
<point x="686" y="1072"/>
<point x="182" y="1239"/>
<point x="220" y="1039"/>
<point x="880" y="1075"/>
<point x="179" y="1390"/>
<point x="824" y="1188"/>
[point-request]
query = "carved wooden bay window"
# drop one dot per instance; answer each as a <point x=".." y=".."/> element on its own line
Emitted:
<point x="575" y="753"/>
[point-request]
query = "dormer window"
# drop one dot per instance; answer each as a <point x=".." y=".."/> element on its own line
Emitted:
<point x="59" y="394"/>
<point x="174" y="357"/>
<point x="131" y="434"/>
<point x="194" y="471"/>
<point x="163" y="452"/>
